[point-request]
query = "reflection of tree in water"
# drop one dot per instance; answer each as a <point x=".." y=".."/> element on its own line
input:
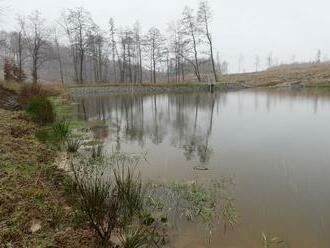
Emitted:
<point x="156" y="132"/>
<point x="197" y="142"/>
<point x="133" y="128"/>
<point x="100" y="132"/>
<point x="186" y="120"/>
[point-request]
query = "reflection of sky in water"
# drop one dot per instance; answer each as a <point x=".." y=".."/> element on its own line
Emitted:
<point x="276" y="143"/>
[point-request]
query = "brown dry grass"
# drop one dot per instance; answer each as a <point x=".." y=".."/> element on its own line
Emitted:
<point x="14" y="86"/>
<point x="52" y="88"/>
<point x="309" y="74"/>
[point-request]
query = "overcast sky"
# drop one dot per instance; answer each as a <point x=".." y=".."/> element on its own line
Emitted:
<point x="240" y="27"/>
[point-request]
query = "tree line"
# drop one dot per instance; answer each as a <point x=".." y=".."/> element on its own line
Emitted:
<point x="76" y="49"/>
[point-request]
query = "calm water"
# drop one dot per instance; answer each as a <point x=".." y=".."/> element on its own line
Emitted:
<point x="275" y="143"/>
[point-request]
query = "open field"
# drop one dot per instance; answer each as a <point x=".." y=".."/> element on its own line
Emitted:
<point x="307" y="74"/>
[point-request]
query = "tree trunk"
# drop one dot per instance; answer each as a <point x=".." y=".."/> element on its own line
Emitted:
<point x="140" y="64"/>
<point x="208" y="35"/>
<point x="20" y="57"/>
<point x="81" y="69"/>
<point x="196" y="58"/>
<point x="212" y="59"/>
<point x="59" y="61"/>
<point x="35" y="68"/>
<point x="100" y="62"/>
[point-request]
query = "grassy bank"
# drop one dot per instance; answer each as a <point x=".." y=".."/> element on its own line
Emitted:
<point x="36" y="207"/>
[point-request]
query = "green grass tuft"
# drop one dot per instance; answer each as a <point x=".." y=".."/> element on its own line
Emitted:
<point x="41" y="110"/>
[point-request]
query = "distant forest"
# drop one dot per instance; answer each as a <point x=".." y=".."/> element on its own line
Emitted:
<point x="75" y="49"/>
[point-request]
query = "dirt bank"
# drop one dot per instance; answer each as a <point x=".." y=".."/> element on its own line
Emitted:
<point x="8" y="99"/>
<point x="34" y="203"/>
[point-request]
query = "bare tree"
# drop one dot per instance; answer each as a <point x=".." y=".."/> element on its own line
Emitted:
<point x="190" y="32"/>
<point x="78" y="25"/>
<point x="15" y="50"/>
<point x="204" y="18"/>
<point x="240" y="63"/>
<point x="113" y="46"/>
<point x="129" y="39"/>
<point x="126" y="53"/>
<point x="176" y="48"/>
<point x="95" y="49"/>
<point x="224" y="67"/>
<point x="59" y="57"/>
<point x="155" y="45"/>
<point x="167" y="61"/>
<point x="218" y="64"/>
<point x="269" y="60"/>
<point x="137" y="31"/>
<point x="36" y="34"/>
<point x="20" y="50"/>
<point x="257" y="63"/>
<point x="318" y="57"/>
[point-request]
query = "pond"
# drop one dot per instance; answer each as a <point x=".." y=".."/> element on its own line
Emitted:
<point x="274" y="143"/>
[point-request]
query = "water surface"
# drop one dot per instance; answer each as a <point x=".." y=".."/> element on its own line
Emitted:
<point x="275" y="143"/>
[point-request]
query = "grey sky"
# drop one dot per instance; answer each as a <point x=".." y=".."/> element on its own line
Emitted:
<point x="247" y="27"/>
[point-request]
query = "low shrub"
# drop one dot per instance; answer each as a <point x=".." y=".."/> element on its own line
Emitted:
<point x="111" y="201"/>
<point x="130" y="194"/>
<point x="135" y="238"/>
<point x="72" y="145"/>
<point x="61" y="131"/>
<point x="41" y="110"/>
<point x="56" y="135"/>
<point x="28" y="91"/>
<point x="99" y="202"/>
